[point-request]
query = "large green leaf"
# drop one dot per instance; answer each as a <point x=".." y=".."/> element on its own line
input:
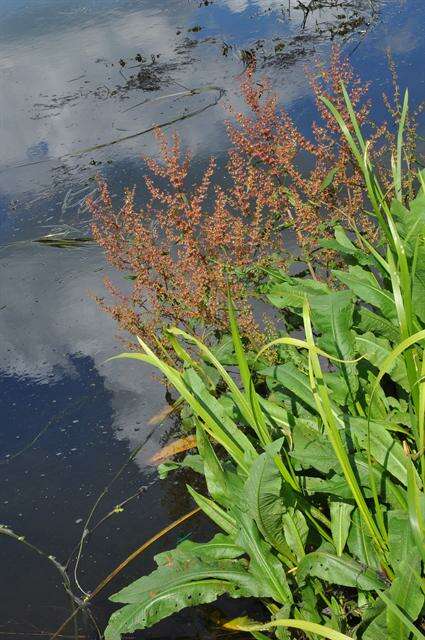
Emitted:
<point x="296" y="530"/>
<point x="265" y="505"/>
<point x="342" y="570"/>
<point x="336" y="485"/>
<point x="213" y="470"/>
<point x="343" y="245"/>
<point x="376" y="623"/>
<point x="367" y="320"/>
<point x="264" y="565"/>
<point x="375" y="350"/>
<point x="272" y="504"/>
<point x="412" y="224"/>
<point x="191" y="574"/>
<point x="150" y="609"/>
<point x="340" y="523"/>
<point x="364" y="285"/>
<point x="291" y="292"/>
<point x="292" y="380"/>
<point x="402" y="544"/>
<point x="418" y="289"/>
<point x="312" y="449"/>
<point x="284" y="295"/>
<point x="332" y="316"/>
<point x="390" y="492"/>
<point x="383" y="446"/>
<point x="360" y="543"/>
<point x="220" y="547"/>
<point x="405" y="592"/>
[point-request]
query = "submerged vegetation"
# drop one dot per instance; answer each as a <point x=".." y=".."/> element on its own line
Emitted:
<point x="312" y="445"/>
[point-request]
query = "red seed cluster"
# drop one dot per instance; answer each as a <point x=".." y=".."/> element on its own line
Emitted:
<point x="191" y="241"/>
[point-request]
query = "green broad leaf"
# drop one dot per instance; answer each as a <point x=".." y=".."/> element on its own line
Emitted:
<point x="374" y="395"/>
<point x="285" y="295"/>
<point x="399" y="211"/>
<point x="340" y="523"/>
<point x="366" y="287"/>
<point x="291" y="379"/>
<point x="276" y="416"/>
<point x="262" y="491"/>
<point x="292" y="292"/>
<point x="224" y="351"/>
<point x="312" y="448"/>
<point x="296" y="531"/>
<point x="264" y="565"/>
<point x="418" y="289"/>
<point x="211" y="509"/>
<point x="416" y="507"/>
<point x="332" y="316"/>
<point x="337" y="485"/>
<point x="213" y="471"/>
<point x="272" y="504"/>
<point x="191" y="461"/>
<point x="402" y="544"/>
<point x="190" y="560"/>
<point x="413" y="224"/>
<point x="309" y="607"/>
<point x="375" y="350"/>
<point x="360" y="543"/>
<point x="338" y="388"/>
<point x="383" y="446"/>
<point x="391" y="493"/>
<point x="293" y="406"/>
<point x="366" y="320"/>
<point x="341" y="570"/>
<point x="343" y="245"/>
<point x="191" y="574"/>
<point x="334" y="486"/>
<point x="377" y="627"/>
<point x="401" y="616"/>
<point x="405" y="592"/>
<point x="220" y="547"/>
<point x="150" y="609"/>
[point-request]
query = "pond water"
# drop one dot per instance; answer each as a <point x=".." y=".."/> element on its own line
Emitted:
<point x="80" y="82"/>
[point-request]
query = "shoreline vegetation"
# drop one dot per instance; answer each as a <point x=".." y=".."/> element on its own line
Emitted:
<point x="309" y="429"/>
<point x="304" y="429"/>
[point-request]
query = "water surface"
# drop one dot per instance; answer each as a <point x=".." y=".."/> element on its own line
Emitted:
<point x="75" y="77"/>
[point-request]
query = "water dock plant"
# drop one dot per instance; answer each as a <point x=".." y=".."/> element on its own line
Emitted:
<point x="313" y="461"/>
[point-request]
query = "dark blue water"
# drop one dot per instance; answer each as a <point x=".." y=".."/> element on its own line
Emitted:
<point x="69" y="420"/>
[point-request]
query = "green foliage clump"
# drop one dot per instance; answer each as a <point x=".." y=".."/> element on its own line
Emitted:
<point x="314" y="464"/>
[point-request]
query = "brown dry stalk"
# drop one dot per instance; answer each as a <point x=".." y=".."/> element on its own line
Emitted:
<point x="123" y="565"/>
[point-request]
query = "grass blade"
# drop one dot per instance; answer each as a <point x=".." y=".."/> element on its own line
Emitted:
<point x="245" y="624"/>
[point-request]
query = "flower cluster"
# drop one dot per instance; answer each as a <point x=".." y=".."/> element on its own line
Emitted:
<point x="190" y="243"/>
